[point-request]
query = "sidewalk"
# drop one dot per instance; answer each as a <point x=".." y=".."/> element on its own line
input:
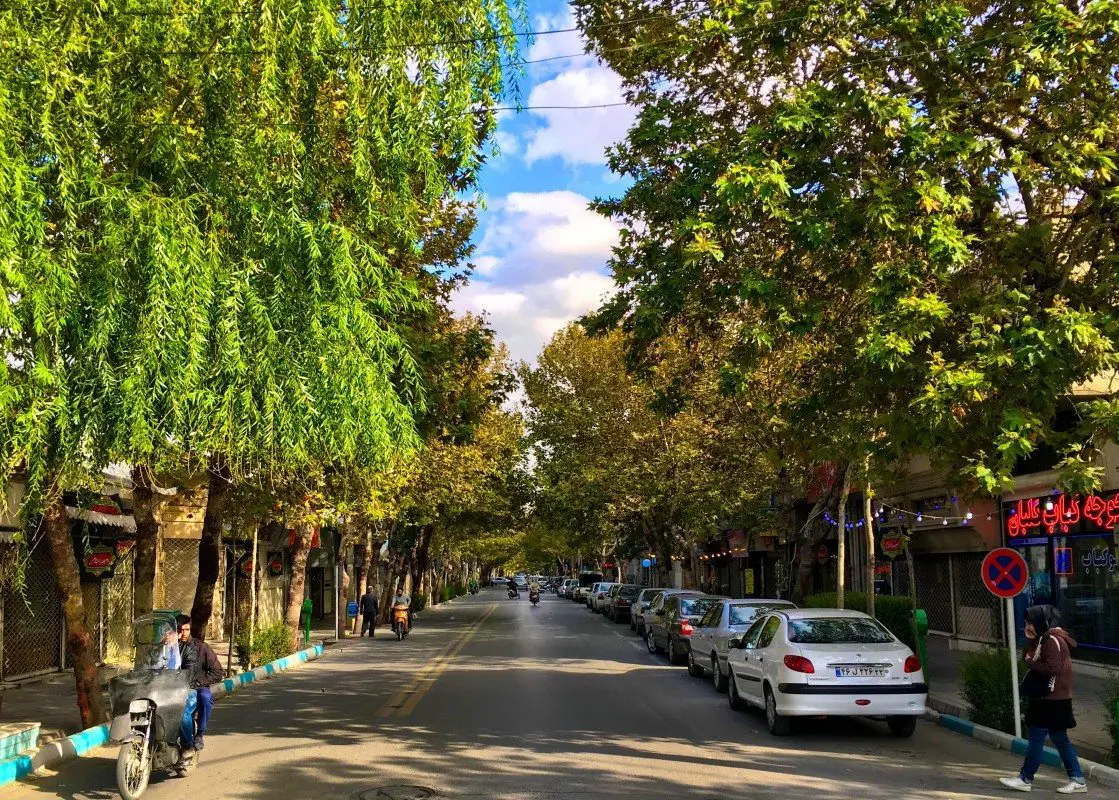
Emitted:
<point x="1090" y="735"/>
<point x="52" y="699"/>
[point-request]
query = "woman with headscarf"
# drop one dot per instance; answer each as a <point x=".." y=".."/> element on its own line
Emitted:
<point x="1048" y="687"/>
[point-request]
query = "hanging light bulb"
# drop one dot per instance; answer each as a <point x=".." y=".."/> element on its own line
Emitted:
<point x="1048" y="505"/>
<point x="944" y="521"/>
<point x="968" y="515"/>
<point x="920" y="516"/>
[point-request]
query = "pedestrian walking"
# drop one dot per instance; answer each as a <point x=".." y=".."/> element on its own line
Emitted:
<point x="369" y="612"/>
<point x="1048" y="688"/>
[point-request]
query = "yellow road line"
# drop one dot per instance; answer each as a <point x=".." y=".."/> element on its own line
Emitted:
<point x="405" y="701"/>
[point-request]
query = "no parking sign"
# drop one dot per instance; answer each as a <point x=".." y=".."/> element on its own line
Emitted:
<point x="1005" y="574"/>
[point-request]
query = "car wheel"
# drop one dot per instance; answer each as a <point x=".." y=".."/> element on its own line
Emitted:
<point x="733" y="697"/>
<point x="694" y="669"/>
<point x="651" y="643"/>
<point x="778" y="725"/>
<point x="717" y="675"/>
<point x="902" y="727"/>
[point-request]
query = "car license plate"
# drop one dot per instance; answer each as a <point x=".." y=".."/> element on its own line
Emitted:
<point x="860" y="672"/>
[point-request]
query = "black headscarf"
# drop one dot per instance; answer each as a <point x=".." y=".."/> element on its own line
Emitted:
<point x="1043" y="618"/>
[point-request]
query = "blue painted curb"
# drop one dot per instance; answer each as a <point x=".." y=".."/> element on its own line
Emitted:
<point x="1100" y="773"/>
<point x="12" y="769"/>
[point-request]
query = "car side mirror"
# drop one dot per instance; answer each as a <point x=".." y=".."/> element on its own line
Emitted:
<point x="735" y="644"/>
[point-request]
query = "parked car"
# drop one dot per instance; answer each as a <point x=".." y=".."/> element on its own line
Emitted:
<point x="607" y="604"/>
<point x="567" y="587"/>
<point x="637" y="610"/>
<point x="599" y="596"/>
<point x="724" y="621"/>
<point x="826" y="662"/>
<point x="589" y="593"/>
<point x="577" y="593"/>
<point x="621" y="602"/>
<point x="671" y="623"/>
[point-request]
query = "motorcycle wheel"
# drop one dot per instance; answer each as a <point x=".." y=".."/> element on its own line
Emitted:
<point x="133" y="772"/>
<point x="399" y="632"/>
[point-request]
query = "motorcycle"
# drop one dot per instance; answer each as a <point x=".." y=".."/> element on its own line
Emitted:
<point x="147" y="708"/>
<point x="534" y="597"/>
<point x="474" y="588"/>
<point x="401" y="621"/>
<point x="513" y="594"/>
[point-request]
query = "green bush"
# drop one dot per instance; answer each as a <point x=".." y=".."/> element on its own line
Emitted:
<point x="269" y="644"/>
<point x="1111" y="698"/>
<point x="893" y="612"/>
<point x="419" y="603"/>
<point x="988" y="688"/>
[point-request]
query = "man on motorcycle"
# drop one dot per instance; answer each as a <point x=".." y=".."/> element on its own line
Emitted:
<point x="512" y="586"/>
<point x="205" y="671"/>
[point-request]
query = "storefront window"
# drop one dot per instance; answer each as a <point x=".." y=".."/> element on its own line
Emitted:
<point x="1088" y="591"/>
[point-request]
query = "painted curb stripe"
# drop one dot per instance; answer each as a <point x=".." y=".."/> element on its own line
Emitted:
<point x="78" y="744"/>
<point x="1099" y="773"/>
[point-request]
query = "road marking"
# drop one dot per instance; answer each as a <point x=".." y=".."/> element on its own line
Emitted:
<point x="405" y="701"/>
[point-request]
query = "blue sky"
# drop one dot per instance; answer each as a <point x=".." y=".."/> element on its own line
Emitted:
<point x="541" y="253"/>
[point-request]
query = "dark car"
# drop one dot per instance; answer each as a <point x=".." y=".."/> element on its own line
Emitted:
<point x="671" y="626"/>
<point x="622" y="602"/>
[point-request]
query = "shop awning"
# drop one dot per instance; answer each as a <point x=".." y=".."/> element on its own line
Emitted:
<point x="125" y="522"/>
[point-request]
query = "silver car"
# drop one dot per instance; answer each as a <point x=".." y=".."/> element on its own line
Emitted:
<point x="599" y="595"/>
<point x="637" y="612"/>
<point x="726" y="620"/>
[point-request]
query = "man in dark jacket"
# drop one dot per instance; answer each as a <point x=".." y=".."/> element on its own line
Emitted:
<point x="369" y="611"/>
<point x="205" y="670"/>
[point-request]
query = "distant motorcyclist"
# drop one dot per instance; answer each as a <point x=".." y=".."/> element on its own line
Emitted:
<point x="512" y="586"/>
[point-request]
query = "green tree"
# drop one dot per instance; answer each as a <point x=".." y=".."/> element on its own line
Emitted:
<point x="925" y="193"/>
<point x="199" y="212"/>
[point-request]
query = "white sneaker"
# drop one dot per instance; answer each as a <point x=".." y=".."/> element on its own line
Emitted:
<point x="1017" y="784"/>
<point x="1073" y="787"/>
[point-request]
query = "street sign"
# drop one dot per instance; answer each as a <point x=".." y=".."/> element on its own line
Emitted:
<point x="1005" y="572"/>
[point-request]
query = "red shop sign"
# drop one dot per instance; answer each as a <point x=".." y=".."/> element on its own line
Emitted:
<point x="1060" y="514"/>
<point x="100" y="560"/>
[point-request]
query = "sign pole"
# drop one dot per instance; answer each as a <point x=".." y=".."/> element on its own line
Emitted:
<point x="1012" y="644"/>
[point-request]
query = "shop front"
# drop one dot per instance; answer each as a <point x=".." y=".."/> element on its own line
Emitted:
<point x="1069" y="543"/>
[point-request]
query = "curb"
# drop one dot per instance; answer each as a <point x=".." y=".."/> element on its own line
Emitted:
<point x="79" y="744"/>
<point x="1100" y="773"/>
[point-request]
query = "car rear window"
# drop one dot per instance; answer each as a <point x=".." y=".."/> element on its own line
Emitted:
<point x="744" y="615"/>
<point x="629" y="591"/>
<point x="838" y="630"/>
<point x="695" y="606"/>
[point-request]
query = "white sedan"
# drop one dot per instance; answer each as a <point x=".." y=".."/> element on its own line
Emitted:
<point x="825" y="662"/>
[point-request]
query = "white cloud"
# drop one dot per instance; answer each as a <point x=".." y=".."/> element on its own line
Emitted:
<point x="578" y="136"/>
<point x="507" y="143"/>
<point x="540" y="266"/>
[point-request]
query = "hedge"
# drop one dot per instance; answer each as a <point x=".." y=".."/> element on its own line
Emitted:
<point x="891" y="611"/>
<point x="1111" y="698"/>
<point x="987" y="688"/>
<point x="269" y="644"/>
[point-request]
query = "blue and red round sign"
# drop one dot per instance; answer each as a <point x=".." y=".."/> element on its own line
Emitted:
<point x="1005" y="572"/>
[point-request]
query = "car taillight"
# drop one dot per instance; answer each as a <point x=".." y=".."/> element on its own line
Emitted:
<point x="601" y="595"/>
<point x="621" y="602"/>
<point x="912" y="664"/>
<point x="799" y="664"/>
<point x="686" y="628"/>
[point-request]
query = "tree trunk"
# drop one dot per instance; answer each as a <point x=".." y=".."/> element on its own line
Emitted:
<point x="871" y="561"/>
<point x="209" y="549"/>
<point x="343" y="588"/>
<point x="148" y="542"/>
<point x="81" y="648"/>
<point x="254" y="586"/>
<point x="300" y="549"/>
<point x="367" y="562"/>
<point x="420" y="562"/>
<point x="841" y="547"/>
<point x="811" y="536"/>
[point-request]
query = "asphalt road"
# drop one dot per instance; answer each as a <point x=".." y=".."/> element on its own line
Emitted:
<point x="491" y="698"/>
